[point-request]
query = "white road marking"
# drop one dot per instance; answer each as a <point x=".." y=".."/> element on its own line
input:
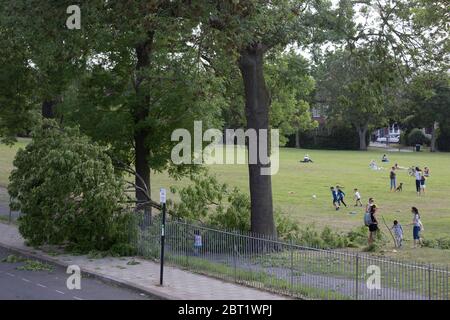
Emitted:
<point x="26" y="280"/>
<point x="76" y="298"/>
<point x="59" y="291"/>
<point x="10" y="274"/>
<point x="40" y="285"/>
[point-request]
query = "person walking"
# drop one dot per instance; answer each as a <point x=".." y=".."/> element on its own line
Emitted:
<point x="393" y="178"/>
<point x="417" y="227"/>
<point x="373" y="225"/>
<point x="398" y="233"/>
<point x="357" y="198"/>
<point x="418" y="176"/>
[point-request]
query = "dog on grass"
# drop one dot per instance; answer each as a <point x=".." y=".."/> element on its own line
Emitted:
<point x="399" y="188"/>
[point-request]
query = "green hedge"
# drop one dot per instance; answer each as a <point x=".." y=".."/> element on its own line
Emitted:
<point x="340" y="138"/>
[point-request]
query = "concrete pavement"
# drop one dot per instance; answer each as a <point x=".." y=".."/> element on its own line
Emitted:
<point x="144" y="276"/>
<point x="16" y="284"/>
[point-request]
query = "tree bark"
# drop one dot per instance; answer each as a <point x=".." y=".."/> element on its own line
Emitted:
<point x="362" y="132"/>
<point x="434" y="136"/>
<point x="49" y="109"/>
<point x="257" y="105"/>
<point x="142" y="134"/>
<point x="297" y="139"/>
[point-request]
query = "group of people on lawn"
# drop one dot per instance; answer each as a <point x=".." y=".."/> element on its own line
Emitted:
<point x="371" y="221"/>
<point x="370" y="218"/>
<point x="420" y="177"/>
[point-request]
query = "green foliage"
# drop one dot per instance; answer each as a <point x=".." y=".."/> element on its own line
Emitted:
<point x="68" y="190"/>
<point x="213" y="203"/>
<point x="416" y="136"/>
<point x="443" y="141"/>
<point x="440" y="243"/>
<point x="331" y="137"/>
<point x="13" y="259"/>
<point x="34" y="265"/>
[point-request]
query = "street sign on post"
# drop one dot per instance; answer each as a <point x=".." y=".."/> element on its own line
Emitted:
<point x="162" y="200"/>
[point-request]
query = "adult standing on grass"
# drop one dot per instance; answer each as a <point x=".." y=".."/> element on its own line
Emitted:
<point x="417" y="226"/>
<point x="418" y="176"/>
<point x="393" y="177"/>
<point x="370" y="204"/>
<point x="373" y="226"/>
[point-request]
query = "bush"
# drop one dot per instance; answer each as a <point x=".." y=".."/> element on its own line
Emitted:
<point x="334" y="138"/>
<point x="416" y="136"/>
<point x="68" y="190"/>
<point x="441" y="243"/>
<point x="443" y="140"/>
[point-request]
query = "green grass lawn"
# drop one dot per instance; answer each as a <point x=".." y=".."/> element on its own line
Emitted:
<point x="7" y="155"/>
<point x="296" y="183"/>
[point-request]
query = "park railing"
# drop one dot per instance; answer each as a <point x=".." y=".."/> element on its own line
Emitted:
<point x="299" y="271"/>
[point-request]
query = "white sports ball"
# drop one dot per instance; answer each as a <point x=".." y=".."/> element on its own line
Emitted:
<point x="314" y="196"/>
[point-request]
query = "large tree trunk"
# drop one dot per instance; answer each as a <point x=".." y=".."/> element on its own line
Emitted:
<point x="49" y="109"/>
<point x="434" y="136"/>
<point x="297" y="139"/>
<point x="257" y="104"/>
<point x="362" y="132"/>
<point x="141" y="135"/>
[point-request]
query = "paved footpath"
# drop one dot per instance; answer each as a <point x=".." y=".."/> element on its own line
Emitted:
<point x="144" y="276"/>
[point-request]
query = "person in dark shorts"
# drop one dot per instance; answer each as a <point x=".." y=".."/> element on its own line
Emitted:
<point x="340" y="195"/>
<point x="335" y="198"/>
<point x="373" y="226"/>
<point x="418" y="176"/>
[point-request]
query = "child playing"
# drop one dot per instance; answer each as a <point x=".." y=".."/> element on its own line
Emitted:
<point x="398" y="233"/>
<point x="341" y="195"/>
<point x="335" y="198"/>
<point x="197" y="242"/>
<point x="357" y="198"/>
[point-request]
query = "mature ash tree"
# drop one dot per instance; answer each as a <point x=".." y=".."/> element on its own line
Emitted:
<point x="249" y="30"/>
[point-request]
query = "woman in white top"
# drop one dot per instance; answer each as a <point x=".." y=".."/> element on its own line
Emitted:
<point x="418" y="175"/>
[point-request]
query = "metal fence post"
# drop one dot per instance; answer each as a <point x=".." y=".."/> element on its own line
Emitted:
<point x="10" y="212"/>
<point x="429" y="281"/>
<point x="292" y="264"/>
<point x="357" y="277"/>
<point x="234" y="255"/>
<point x="186" y="244"/>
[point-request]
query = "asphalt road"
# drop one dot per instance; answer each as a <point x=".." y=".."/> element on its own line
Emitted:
<point x="51" y="285"/>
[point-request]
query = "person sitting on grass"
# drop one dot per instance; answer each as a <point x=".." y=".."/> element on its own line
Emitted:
<point x="306" y="159"/>
<point x="384" y="158"/>
<point x="398" y="233"/>
<point x="373" y="165"/>
<point x="357" y="198"/>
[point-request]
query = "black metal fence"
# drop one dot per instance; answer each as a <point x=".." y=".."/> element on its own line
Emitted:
<point x="290" y="269"/>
